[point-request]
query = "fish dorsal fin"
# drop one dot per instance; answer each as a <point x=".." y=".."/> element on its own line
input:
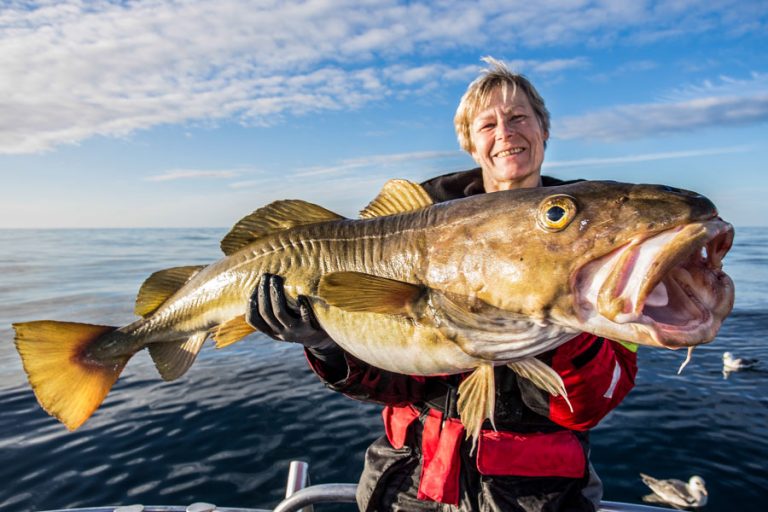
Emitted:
<point x="173" y="359"/>
<point x="232" y="331"/>
<point x="359" y="292"/>
<point x="397" y="196"/>
<point x="276" y="216"/>
<point x="160" y="286"/>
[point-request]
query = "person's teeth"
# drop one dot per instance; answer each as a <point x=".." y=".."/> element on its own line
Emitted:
<point x="515" y="151"/>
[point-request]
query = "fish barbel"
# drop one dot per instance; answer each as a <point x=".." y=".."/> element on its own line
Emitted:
<point x="425" y="289"/>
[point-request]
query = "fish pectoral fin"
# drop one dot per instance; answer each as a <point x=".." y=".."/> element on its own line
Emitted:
<point x="173" y="358"/>
<point x="477" y="400"/>
<point x="397" y="196"/>
<point x="232" y="331"/>
<point x="160" y="286"/>
<point x="68" y="386"/>
<point x="542" y="376"/>
<point x="360" y="292"/>
<point x="274" y="217"/>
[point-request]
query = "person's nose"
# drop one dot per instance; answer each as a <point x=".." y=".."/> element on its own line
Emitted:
<point x="504" y="129"/>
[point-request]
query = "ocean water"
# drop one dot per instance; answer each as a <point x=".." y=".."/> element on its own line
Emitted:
<point x="226" y="431"/>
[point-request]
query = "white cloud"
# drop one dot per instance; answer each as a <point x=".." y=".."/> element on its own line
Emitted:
<point x="646" y="120"/>
<point x="381" y="162"/>
<point x="724" y="102"/>
<point x="629" y="67"/>
<point x="70" y="70"/>
<point x="647" y="157"/>
<point x="757" y="83"/>
<point x="186" y="174"/>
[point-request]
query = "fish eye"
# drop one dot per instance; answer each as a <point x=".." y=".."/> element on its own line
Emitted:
<point x="556" y="212"/>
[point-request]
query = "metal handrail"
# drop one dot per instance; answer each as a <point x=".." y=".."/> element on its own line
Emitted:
<point x="615" y="506"/>
<point x="300" y="496"/>
<point x="345" y="493"/>
<point x="321" y="493"/>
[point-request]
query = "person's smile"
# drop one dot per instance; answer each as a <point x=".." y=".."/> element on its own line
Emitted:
<point x="509" y="152"/>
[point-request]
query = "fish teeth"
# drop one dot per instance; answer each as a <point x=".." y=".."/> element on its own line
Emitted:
<point x="714" y="256"/>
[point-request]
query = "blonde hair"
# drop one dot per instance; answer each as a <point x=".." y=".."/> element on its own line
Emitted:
<point x="479" y="93"/>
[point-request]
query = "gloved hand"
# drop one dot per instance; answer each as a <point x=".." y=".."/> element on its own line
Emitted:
<point x="270" y="313"/>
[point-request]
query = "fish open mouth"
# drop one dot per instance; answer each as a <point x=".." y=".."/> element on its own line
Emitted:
<point x="667" y="290"/>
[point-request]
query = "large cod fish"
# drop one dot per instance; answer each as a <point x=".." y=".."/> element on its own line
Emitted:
<point x="425" y="289"/>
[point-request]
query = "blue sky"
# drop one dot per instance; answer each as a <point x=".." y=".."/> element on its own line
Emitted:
<point x="194" y="113"/>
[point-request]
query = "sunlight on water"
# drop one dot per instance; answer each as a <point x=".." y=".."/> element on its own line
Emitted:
<point x="227" y="430"/>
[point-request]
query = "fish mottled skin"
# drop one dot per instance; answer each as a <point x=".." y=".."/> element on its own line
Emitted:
<point x="426" y="289"/>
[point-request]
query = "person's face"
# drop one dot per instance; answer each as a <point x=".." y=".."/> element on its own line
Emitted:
<point x="508" y="143"/>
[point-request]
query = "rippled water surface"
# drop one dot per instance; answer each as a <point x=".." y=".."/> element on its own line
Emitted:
<point x="226" y="431"/>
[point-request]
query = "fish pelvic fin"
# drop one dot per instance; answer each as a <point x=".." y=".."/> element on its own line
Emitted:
<point x="232" y="331"/>
<point x="160" y="286"/>
<point x="68" y="384"/>
<point x="276" y="216"/>
<point x="542" y="376"/>
<point x="477" y="401"/>
<point x="173" y="358"/>
<point x="360" y="292"/>
<point x="397" y="196"/>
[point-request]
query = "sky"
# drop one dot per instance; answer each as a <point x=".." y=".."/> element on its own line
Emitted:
<point x="194" y="113"/>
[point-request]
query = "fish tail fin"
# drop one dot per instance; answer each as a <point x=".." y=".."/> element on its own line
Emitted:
<point x="477" y="400"/>
<point x="68" y="384"/>
<point x="173" y="358"/>
<point x="542" y="376"/>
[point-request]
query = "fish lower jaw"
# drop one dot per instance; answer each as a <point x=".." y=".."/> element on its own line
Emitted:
<point x="650" y="330"/>
<point x="645" y="330"/>
<point x="683" y="338"/>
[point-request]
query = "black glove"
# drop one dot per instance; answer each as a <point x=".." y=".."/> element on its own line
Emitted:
<point x="270" y="313"/>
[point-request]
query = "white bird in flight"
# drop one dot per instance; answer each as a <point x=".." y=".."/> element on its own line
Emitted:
<point x="676" y="492"/>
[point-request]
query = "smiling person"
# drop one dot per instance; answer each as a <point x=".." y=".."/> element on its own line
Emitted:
<point x="538" y="456"/>
<point x="505" y="128"/>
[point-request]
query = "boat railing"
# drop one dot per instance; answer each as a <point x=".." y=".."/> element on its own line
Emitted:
<point x="300" y="496"/>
